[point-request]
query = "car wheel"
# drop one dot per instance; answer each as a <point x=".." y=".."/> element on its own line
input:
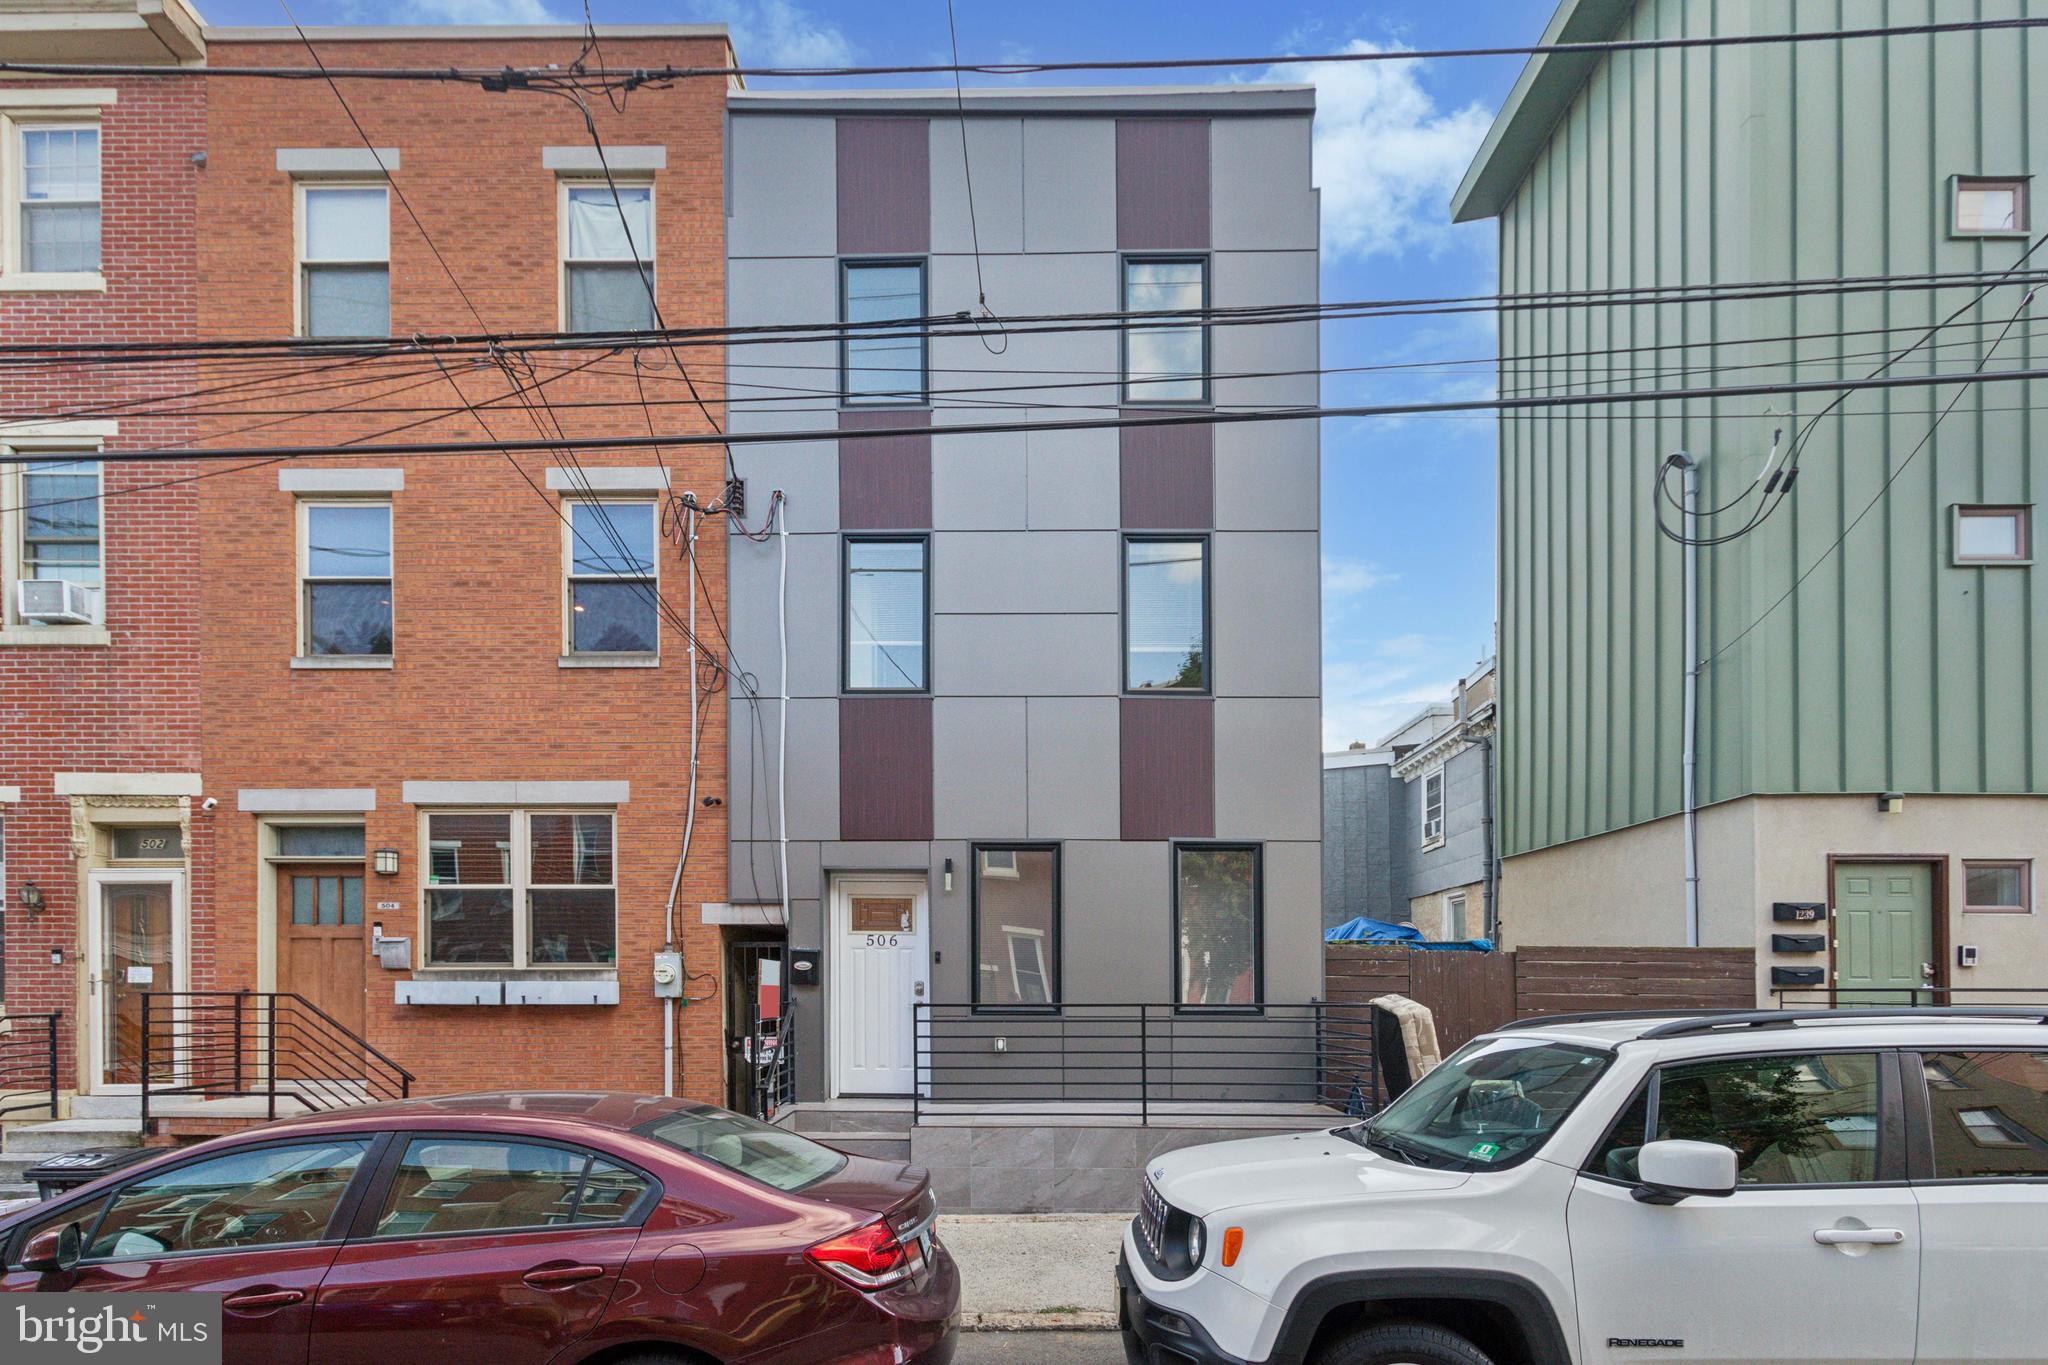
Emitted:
<point x="1403" y="1343"/>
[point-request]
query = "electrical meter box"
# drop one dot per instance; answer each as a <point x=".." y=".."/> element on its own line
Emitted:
<point x="668" y="976"/>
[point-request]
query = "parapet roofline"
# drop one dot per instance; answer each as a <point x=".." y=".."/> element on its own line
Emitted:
<point x="1144" y="99"/>
<point x="458" y="33"/>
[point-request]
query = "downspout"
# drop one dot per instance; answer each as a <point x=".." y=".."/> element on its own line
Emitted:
<point x="1491" y="919"/>
<point x="1689" y="764"/>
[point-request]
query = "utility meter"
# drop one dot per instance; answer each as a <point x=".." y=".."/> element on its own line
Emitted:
<point x="668" y="975"/>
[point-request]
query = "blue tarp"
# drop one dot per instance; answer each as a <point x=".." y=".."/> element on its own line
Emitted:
<point x="1364" y="930"/>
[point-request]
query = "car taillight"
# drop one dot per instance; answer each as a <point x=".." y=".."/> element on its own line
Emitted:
<point x="869" y="1257"/>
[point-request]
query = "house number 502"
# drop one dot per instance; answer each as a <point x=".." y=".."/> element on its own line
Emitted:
<point x="881" y="940"/>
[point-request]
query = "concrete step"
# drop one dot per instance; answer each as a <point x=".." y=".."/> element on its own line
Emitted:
<point x="106" y="1107"/>
<point x="72" y="1135"/>
<point x="817" y="1118"/>
<point x="889" y="1146"/>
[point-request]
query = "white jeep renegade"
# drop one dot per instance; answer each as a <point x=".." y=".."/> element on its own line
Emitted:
<point x="1858" y="1185"/>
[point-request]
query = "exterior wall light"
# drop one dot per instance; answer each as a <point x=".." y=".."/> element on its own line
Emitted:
<point x="385" y="861"/>
<point x="1891" y="803"/>
<point x="949" y="875"/>
<point x="32" y="898"/>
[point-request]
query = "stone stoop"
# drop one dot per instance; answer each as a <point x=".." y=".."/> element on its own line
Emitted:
<point x="874" y="1128"/>
<point x="26" y="1145"/>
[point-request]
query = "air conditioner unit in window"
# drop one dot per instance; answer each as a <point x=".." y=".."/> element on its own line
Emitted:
<point x="56" y="602"/>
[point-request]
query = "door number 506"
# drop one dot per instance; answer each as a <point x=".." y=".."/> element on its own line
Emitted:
<point x="882" y="940"/>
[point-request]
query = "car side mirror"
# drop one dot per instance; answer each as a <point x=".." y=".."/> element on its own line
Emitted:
<point x="1672" y="1170"/>
<point x="54" y="1250"/>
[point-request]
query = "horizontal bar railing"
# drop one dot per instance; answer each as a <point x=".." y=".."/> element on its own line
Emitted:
<point x="270" y="1045"/>
<point x="1143" y="1062"/>
<point x="28" y="1062"/>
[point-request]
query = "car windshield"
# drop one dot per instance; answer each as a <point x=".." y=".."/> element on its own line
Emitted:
<point x="759" y="1151"/>
<point x="1491" y="1104"/>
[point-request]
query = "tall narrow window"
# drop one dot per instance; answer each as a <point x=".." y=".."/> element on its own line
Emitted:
<point x="1433" y="808"/>
<point x="346" y="578"/>
<point x="882" y="364"/>
<point x="60" y="199"/>
<point x="345" y="261"/>
<point x="1166" y="361"/>
<point x="1216" y="918"/>
<point x="571" y="899"/>
<point x="1016" y="926"/>
<point x="469" y="890"/>
<point x="885" y="615"/>
<point x="1166" y="615"/>
<point x="613" y="583"/>
<point x="60" y="521"/>
<point x="607" y="242"/>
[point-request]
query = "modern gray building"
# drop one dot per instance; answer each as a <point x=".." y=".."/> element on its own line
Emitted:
<point x="1053" y="691"/>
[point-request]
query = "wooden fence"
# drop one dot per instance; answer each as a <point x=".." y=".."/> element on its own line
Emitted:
<point x="1469" y="993"/>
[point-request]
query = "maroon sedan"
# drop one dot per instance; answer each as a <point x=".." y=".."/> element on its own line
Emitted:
<point x="518" y="1229"/>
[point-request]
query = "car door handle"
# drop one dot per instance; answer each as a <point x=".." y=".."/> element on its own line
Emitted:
<point x="263" y="1300"/>
<point x="1865" y="1237"/>
<point x="547" y="1277"/>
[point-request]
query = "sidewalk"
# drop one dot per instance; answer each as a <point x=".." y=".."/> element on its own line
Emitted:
<point x="1033" y="1271"/>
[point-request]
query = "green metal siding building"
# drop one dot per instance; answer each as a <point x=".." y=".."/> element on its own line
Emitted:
<point x="1845" y="652"/>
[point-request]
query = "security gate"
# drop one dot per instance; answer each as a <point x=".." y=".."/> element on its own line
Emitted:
<point x="760" y="1078"/>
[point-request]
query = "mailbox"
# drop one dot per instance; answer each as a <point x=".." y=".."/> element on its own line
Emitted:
<point x="803" y="967"/>
<point x="1798" y="976"/>
<point x="1799" y="912"/>
<point x="1799" y="943"/>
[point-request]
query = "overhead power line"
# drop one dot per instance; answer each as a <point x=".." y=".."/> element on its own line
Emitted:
<point x="506" y="78"/>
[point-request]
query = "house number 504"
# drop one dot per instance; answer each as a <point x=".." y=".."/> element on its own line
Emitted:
<point x="881" y="940"/>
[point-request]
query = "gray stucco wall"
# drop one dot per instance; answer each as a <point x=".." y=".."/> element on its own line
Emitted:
<point x="1373" y="859"/>
<point x="1025" y="549"/>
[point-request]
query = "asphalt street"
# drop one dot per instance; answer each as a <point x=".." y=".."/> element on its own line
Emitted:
<point x="1040" y="1348"/>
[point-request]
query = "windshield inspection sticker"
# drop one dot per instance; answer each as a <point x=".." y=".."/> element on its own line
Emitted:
<point x="1484" y="1151"/>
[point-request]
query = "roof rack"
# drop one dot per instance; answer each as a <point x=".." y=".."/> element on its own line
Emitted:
<point x="1609" y="1017"/>
<point x="1774" y="1019"/>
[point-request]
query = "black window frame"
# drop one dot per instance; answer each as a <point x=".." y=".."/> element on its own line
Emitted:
<point x="1206" y="540"/>
<point x="923" y="397"/>
<point x="1057" y="932"/>
<point x="346" y="1208"/>
<point x="1258" y="852"/>
<point x="846" y="543"/>
<point x="1127" y="259"/>
<point x="1919" y="1117"/>
<point x="362" y="1224"/>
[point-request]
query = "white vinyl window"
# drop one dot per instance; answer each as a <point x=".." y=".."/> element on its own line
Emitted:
<point x="1433" y="808"/>
<point x="607" y="257"/>
<point x="1454" y="918"/>
<point x="518" y="888"/>
<point x="613" y="575"/>
<point x="1984" y="534"/>
<point x="345" y="578"/>
<point x="344" y="260"/>
<point x="52" y="171"/>
<point x="51" y="536"/>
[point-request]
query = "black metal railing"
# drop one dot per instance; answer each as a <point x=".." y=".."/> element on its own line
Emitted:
<point x="28" y="1062"/>
<point x="1144" y="1063"/>
<point x="774" y="1064"/>
<point x="1910" y="997"/>
<point x="270" y="1044"/>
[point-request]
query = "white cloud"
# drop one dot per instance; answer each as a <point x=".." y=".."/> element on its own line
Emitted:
<point x="1386" y="157"/>
<point x="1367" y="702"/>
<point x="778" y="33"/>
<point x="1350" y="577"/>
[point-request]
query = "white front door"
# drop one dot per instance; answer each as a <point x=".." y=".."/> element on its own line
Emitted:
<point x="135" y="944"/>
<point x="878" y="958"/>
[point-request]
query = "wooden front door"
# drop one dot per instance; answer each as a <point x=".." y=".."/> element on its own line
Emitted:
<point x="320" y="949"/>
<point x="1884" y="933"/>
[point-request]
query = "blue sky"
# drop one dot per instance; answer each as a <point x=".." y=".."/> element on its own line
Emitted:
<point x="1407" y="505"/>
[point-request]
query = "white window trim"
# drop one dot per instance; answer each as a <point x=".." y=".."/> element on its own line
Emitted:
<point x="649" y="254"/>
<point x="521" y="859"/>
<point x="1035" y="939"/>
<point x="14" y="453"/>
<point x="1463" y="905"/>
<point x="303" y="183"/>
<point x="18" y="114"/>
<point x="1432" y="838"/>
<point x="302" y="657"/>
<point x="590" y="658"/>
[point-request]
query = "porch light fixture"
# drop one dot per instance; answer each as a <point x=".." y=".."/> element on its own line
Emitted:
<point x="1891" y="803"/>
<point x="385" y="861"/>
<point x="949" y="875"/>
<point x="32" y="898"/>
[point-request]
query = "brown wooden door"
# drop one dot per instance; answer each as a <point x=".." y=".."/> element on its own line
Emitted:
<point x="321" y="956"/>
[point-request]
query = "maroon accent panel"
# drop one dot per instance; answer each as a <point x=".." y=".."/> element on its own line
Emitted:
<point x="1168" y="768"/>
<point x="885" y="185"/>
<point x="885" y="768"/>
<point x="885" y="482"/>
<point x="1162" y="184"/>
<point x="1168" y="477"/>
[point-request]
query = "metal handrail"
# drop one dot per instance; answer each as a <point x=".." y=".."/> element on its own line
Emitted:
<point x="221" y="1044"/>
<point x="35" y="1034"/>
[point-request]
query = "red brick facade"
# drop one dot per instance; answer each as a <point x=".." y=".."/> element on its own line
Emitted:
<point x="129" y="704"/>
<point x="475" y="692"/>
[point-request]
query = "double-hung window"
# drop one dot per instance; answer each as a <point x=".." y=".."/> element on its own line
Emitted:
<point x="1166" y="614"/>
<point x="59" y="224"/>
<point x="608" y="258"/>
<point x="345" y="578"/>
<point x="1166" y="359"/>
<point x="520" y="889"/>
<point x="1433" y="808"/>
<point x="53" y="566"/>
<point x="880" y="363"/>
<point x="1016" y="926"/>
<point x="1217" y="925"/>
<point x="614" y="588"/>
<point x="344" y="260"/>
<point x="886" y="614"/>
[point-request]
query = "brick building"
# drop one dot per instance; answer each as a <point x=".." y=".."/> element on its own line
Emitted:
<point x="99" y="562"/>
<point x="441" y="701"/>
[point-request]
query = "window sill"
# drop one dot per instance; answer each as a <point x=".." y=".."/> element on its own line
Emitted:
<point x="2013" y="562"/>
<point x="91" y="637"/>
<point x="1428" y="844"/>
<point x="318" y="662"/>
<point x="53" y="282"/>
<point x="608" y="661"/>
<point x="1999" y="235"/>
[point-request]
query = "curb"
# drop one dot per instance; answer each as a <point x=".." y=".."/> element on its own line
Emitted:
<point x="1092" y="1321"/>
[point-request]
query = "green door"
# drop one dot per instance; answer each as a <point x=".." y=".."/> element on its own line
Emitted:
<point x="1884" y="932"/>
